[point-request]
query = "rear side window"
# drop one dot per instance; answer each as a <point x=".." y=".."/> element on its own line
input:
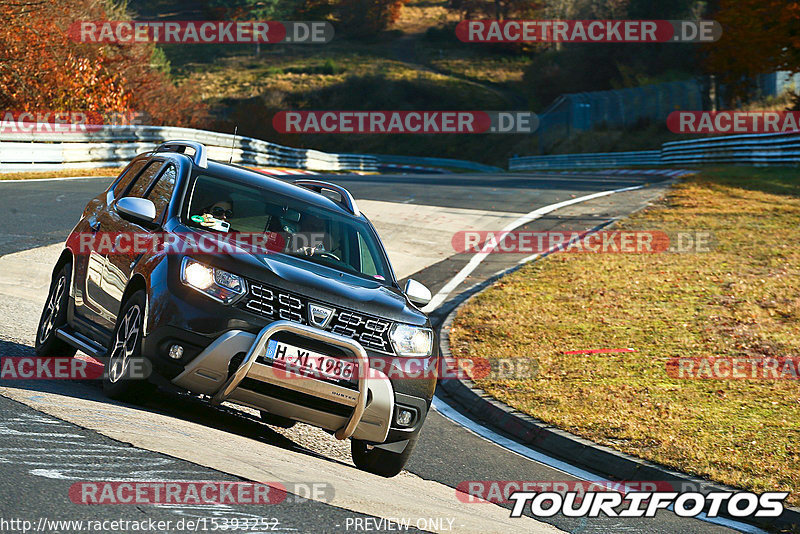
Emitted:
<point x="139" y="188"/>
<point x="161" y="193"/>
<point x="127" y="177"/>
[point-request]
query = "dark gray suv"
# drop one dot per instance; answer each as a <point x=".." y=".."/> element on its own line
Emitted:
<point x="247" y="289"/>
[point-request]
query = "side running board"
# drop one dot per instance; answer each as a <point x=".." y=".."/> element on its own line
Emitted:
<point x="81" y="343"/>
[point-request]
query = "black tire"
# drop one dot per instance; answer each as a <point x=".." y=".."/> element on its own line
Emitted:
<point x="277" y="420"/>
<point x="54" y="316"/>
<point x="379" y="461"/>
<point x="126" y="347"/>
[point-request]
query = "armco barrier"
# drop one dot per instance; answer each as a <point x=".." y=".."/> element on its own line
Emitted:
<point x="111" y="146"/>
<point x="445" y="163"/>
<point x="747" y="149"/>
<point x="603" y="159"/>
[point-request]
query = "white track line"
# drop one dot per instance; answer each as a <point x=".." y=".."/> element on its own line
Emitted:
<point x="490" y="245"/>
<point x="559" y="465"/>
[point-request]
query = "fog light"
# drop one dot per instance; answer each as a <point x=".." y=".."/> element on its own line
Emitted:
<point x="176" y="352"/>
<point x="404" y="417"/>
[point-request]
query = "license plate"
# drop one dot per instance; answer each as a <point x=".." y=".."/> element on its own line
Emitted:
<point x="309" y="362"/>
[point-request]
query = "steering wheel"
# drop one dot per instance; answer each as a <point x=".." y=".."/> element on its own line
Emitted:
<point x="328" y="255"/>
<point x="313" y="251"/>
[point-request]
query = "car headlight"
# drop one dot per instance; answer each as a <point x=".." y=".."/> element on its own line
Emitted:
<point x="410" y="340"/>
<point x="218" y="284"/>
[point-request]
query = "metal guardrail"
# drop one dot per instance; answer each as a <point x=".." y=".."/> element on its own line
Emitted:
<point x="445" y="163"/>
<point x="111" y="146"/>
<point x="600" y="159"/>
<point x="747" y="149"/>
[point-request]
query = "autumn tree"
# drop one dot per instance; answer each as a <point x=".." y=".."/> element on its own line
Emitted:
<point x="43" y="68"/>
<point x="358" y="18"/>
<point x="758" y="36"/>
<point x="253" y="9"/>
<point x="495" y="9"/>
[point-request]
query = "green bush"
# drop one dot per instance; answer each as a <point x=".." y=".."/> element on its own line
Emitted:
<point x="330" y="67"/>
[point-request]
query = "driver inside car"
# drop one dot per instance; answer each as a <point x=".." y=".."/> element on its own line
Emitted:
<point x="217" y="214"/>
<point x="311" y="238"/>
<point x="222" y="209"/>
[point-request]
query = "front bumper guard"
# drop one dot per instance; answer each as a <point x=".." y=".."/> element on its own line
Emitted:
<point x="258" y="347"/>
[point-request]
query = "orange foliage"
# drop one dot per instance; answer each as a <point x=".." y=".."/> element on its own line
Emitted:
<point x="758" y="36"/>
<point x="42" y="68"/>
<point x="358" y="18"/>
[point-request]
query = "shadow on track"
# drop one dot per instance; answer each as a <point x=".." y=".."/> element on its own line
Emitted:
<point x="173" y="403"/>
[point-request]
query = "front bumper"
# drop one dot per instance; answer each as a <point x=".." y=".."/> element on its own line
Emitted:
<point x="364" y="413"/>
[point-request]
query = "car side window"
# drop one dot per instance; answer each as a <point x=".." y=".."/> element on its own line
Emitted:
<point x="140" y="186"/>
<point x="161" y="193"/>
<point x="127" y="177"/>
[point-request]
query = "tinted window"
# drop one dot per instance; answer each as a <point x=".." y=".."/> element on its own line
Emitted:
<point x="289" y="226"/>
<point x="141" y="184"/>
<point x="128" y="175"/>
<point x="161" y="193"/>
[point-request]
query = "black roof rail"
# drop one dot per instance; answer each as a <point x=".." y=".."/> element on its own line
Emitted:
<point x="200" y="153"/>
<point x="318" y="186"/>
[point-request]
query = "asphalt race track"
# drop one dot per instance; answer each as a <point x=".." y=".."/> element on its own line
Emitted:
<point x="55" y="433"/>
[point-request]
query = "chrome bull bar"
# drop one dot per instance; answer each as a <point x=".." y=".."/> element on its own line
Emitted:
<point x="259" y="347"/>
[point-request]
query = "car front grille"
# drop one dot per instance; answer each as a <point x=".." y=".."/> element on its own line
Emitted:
<point x="274" y="303"/>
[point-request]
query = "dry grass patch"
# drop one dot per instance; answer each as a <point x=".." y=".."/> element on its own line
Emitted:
<point x="507" y="70"/>
<point x="65" y="173"/>
<point x="740" y="299"/>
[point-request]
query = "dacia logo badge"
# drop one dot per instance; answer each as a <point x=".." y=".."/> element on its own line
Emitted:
<point x="319" y="316"/>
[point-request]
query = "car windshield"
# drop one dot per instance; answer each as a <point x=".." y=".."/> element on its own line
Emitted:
<point x="285" y="225"/>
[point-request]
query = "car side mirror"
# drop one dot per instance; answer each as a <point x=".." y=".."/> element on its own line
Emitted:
<point x="138" y="210"/>
<point x="417" y="293"/>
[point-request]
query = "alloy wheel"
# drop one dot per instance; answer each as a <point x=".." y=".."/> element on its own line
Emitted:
<point x="124" y="343"/>
<point x="52" y="309"/>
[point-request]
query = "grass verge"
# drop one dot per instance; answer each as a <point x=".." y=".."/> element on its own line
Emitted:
<point x="65" y="173"/>
<point x="740" y="299"/>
